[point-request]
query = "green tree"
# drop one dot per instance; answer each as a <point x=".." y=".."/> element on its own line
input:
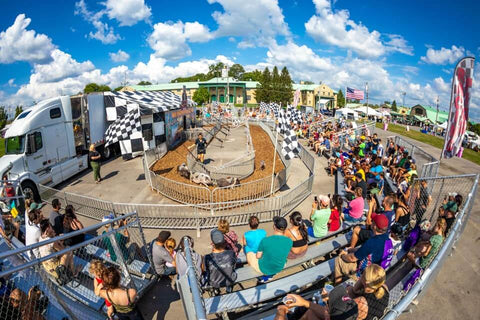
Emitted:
<point x="144" y="83"/>
<point x="194" y="78"/>
<point x="394" y="106"/>
<point x="286" y="87"/>
<point x="340" y="99"/>
<point x="118" y="88"/>
<point x="309" y="82"/>
<point x="215" y="70"/>
<point x="262" y="94"/>
<point x="201" y="96"/>
<point x="276" y="87"/>
<point x="93" y="87"/>
<point x="252" y="76"/>
<point x="3" y="118"/>
<point x="18" y="110"/>
<point x="236" y="71"/>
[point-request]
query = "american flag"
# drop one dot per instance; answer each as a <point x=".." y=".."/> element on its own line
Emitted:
<point x="354" y="94"/>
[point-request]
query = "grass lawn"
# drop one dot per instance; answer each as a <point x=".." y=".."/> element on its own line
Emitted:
<point x="2" y="147"/>
<point x="429" y="139"/>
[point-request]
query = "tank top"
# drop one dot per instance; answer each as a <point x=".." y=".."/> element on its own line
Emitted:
<point x="122" y="309"/>
<point x="298" y="242"/>
<point x="405" y="219"/>
<point x="376" y="307"/>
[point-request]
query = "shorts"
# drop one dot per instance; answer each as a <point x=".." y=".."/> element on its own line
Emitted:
<point x="349" y="218"/>
<point x="203" y="151"/>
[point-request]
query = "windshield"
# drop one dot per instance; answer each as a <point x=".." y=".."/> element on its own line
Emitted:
<point x="15" y="145"/>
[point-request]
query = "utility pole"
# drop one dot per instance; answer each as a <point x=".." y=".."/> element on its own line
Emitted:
<point x="436" y="118"/>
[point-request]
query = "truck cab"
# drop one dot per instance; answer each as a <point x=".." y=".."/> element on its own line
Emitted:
<point x="46" y="144"/>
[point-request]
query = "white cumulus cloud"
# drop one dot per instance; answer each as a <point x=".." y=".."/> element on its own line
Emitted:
<point x="104" y="33"/>
<point x="19" y="44"/>
<point x="128" y="12"/>
<point x="119" y="56"/>
<point x="444" y="55"/>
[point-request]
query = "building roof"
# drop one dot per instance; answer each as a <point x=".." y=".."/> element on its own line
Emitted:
<point x="353" y="105"/>
<point x="431" y="114"/>
<point x="166" y="86"/>
<point x="304" y="87"/>
<point x="248" y="84"/>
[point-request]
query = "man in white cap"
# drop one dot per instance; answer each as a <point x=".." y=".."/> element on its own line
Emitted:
<point x="320" y="216"/>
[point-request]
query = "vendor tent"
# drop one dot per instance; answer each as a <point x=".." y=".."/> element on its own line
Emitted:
<point x="443" y="125"/>
<point x="138" y="119"/>
<point x="371" y="111"/>
<point x="346" y="113"/>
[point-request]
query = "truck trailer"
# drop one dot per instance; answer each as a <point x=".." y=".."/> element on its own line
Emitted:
<point x="48" y="143"/>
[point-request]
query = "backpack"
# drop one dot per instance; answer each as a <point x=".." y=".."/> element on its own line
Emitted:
<point x="412" y="239"/>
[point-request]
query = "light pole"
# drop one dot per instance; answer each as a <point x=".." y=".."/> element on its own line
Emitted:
<point x="366" y="90"/>
<point x="403" y="104"/>
<point x="436" y="118"/>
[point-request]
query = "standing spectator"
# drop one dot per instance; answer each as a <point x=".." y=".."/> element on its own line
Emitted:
<point x="422" y="199"/>
<point x="181" y="259"/>
<point x="56" y="218"/>
<point x="122" y="300"/>
<point x="370" y="252"/>
<point x="335" y="221"/>
<point x="71" y="224"/>
<point x="32" y="226"/>
<point x="231" y="238"/>
<point x="299" y="235"/>
<point x="94" y="157"/>
<point x="220" y="264"/>
<point x="252" y="238"/>
<point x="319" y="216"/>
<point x="161" y="256"/>
<point x="273" y="250"/>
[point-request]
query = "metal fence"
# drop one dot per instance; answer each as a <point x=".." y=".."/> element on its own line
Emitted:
<point x="441" y="189"/>
<point x="427" y="165"/>
<point x="55" y="277"/>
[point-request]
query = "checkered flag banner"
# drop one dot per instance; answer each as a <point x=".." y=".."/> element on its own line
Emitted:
<point x="290" y="144"/>
<point x="122" y="128"/>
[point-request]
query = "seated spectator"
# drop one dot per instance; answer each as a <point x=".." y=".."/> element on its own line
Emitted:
<point x="60" y="267"/>
<point x="181" y="259"/>
<point x="16" y="304"/>
<point x="353" y="263"/>
<point x="299" y="235"/>
<point x="402" y="213"/>
<point x="161" y="256"/>
<point x="411" y="173"/>
<point x="97" y="269"/>
<point x="231" y="238"/>
<point x="424" y="252"/>
<point x="122" y="300"/>
<point x="252" y="238"/>
<point x="34" y="306"/>
<point x="220" y="264"/>
<point x="32" y="226"/>
<point x="335" y="221"/>
<point x="56" y="218"/>
<point x="273" y="250"/>
<point x="8" y="228"/>
<point x="450" y="209"/>
<point x="376" y="170"/>
<point x="129" y="253"/>
<point x="71" y="224"/>
<point x="354" y="211"/>
<point x="170" y="245"/>
<point x="320" y="216"/>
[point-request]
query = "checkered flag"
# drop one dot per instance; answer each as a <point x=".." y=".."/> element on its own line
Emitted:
<point x="290" y="144"/>
<point x="123" y="127"/>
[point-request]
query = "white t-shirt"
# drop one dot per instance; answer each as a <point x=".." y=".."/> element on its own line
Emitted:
<point x="32" y="234"/>
<point x="47" y="249"/>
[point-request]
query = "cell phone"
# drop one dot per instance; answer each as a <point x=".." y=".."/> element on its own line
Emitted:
<point x="315" y="199"/>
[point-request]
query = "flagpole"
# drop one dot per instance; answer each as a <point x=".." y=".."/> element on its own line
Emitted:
<point x="274" y="158"/>
<point x="366" y="90"/>
<point x="345" y="96"/>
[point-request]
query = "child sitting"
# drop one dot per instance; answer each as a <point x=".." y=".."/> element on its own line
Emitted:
<point x="170" y="245"/>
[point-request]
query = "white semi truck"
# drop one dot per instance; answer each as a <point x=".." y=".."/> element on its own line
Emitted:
<point x="48" y="143"/>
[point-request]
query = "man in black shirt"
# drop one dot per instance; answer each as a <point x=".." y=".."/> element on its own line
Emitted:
<point x="220" y="264"/>
<point x="201" y="147"/>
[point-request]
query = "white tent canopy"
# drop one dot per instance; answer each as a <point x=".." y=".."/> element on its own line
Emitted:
<point x="371" y="111"/>
<point x="443" y="125"/>
<point x="346" y="113"/>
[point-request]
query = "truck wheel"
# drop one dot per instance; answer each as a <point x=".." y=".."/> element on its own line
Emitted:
<point x="107" y="153"/>
<point x="30" y="191"/>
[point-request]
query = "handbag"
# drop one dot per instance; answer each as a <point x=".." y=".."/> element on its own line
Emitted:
<point x="236" y="244"/>
<point x="64" y="275"/>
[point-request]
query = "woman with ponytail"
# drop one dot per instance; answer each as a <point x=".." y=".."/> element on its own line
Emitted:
<point x="372" y="291"/>
<point x="299" y="235"/>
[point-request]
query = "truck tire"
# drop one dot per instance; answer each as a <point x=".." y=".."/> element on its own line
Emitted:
<point x="30" y="190"/>
<point x="106" y="153"/>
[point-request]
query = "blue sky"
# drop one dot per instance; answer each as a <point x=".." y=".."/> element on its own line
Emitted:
<point x="49" y="48"/>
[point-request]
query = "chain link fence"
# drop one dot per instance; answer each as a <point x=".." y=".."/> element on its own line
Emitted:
<point x="427" y="165"/>
<point x="54" y="278"/>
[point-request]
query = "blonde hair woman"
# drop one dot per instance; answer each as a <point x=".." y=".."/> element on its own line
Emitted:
<point x="94" y="158"/>
<point x="230" y="236"/>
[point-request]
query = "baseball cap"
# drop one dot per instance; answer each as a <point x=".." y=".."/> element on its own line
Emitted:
<point x="325" y="200"/>
<point x="341" y="306"/>
<point x="36" y="206"/>
<point x="108" y="217"/>
<point x="381" y="220"/>
<point x="280" y="223"/>
<point x="163" y="236"/>
<point x="217" y="236"/>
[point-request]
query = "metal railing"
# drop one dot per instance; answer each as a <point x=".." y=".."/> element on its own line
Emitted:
<point x="58" y="283"/>
<point x="427" y="165"/>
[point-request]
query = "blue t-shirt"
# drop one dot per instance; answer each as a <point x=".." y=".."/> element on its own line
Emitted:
<point x="252" y="239"/>
<point x="377" y="169"/>
<point x="327" y="143"/>
<point x="371" y="251"/>
<point x="391" y="217"/>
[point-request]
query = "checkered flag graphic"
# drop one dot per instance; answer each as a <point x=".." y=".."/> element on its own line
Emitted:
<point x="123" y="127"/>
<point x="290" y="144"/>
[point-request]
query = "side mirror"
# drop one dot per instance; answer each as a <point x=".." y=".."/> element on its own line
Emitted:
<point x="31" y="144"/>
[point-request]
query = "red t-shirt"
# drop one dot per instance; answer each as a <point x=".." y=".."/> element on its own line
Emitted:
<point x="107" y="303"/>
<point x="335" y="217"/>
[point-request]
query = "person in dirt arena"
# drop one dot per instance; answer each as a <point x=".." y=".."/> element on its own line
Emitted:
<point x="201" y="144"/>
